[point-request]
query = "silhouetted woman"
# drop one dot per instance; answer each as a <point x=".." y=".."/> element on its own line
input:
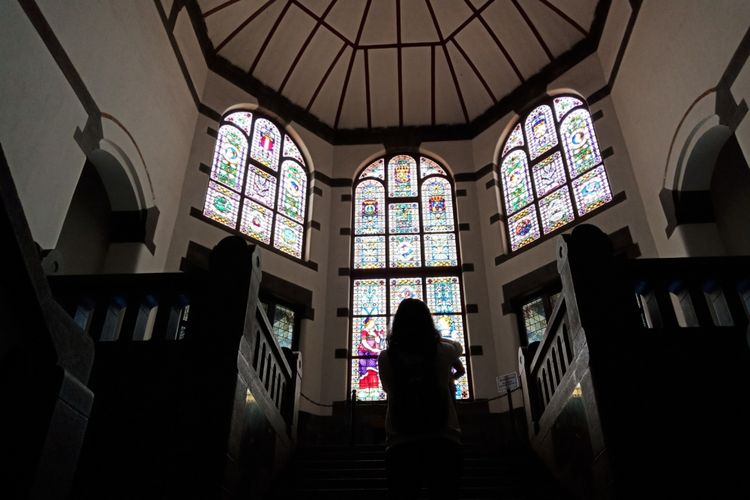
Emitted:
<point x="423" y="437"/>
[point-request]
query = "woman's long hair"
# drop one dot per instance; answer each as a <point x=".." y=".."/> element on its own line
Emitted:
<point x="413" y="332"/>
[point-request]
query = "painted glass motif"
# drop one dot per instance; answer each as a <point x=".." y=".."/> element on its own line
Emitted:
<point x="369" y="297"/>
<point x="256" y="221"/>
<point x="366" y="379"/>
<point x="242" y="119"/>
<point x="437" y="205"/>
<point x="402" y="177"/>
<point x="293" y="189"/>
<point x="581" y="148"/>
<point x="261" y="187"/>
<point x="283" y="325"/>
<point x="229" y="158"/>
<point x="375" y="170"/>
<point x="292" y="151"/>
<point x="403" y="218"/>
<point x="565" y="104"/>
<point x="404" y="288"/>
<point x="523" y="227"/>
<point x="429" y="167"/>
<point x="556" y="210"/>
<point x="516" y="182"/>
<point x="540" y="131"/>
<point x="443" y="295"/>
<point x="369" y="252"/>
<point x="450" y="326"/>
<point x="549" y="174"/>
<point x="440" y="250"/>
<point x="514" y="140"/>
<point x="222" y="204"/>
<point x="367" y="343"/>
<point x="288" y="236"/>
<point x="534" y="320"/>
<point x="405" y="251"/>
<point x="462" y="386"/>
<point x="266" y="144"/>
<point x="369" y="203"/>
<point x="591" y="190"/>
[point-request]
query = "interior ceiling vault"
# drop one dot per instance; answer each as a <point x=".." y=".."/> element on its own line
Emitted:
<point x="372" y="64"/>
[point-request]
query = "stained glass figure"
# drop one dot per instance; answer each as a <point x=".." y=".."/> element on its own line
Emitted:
<point x="403" y="218"/>
<point x="283" y="325"/>
<point x="371" y="338"/>
<point x="369" y="252"/>
<point x="514" y="140"/>
<point x="591" y="190"/>
<point x="516" y="182"/>
<point x="375" y="170"/>
<point x="549" y="174"/>
<point x="523" y="227"/>
<point x="366" y="379"/>
<point x="565" y="104"/>
<point x="369" y="203"/>
<point x="443" y="294"/>
<point x="242" y="119"/>
<point x="229" y="158"/>
<point x="266" y="144"/>
<point x="581" y="148"/>
<point x="450" y="326"/>
<point x="437" y="205"/>
<point x="402" y="177"/>
<point x="556" y="210"/>
<point x="288" y="236"/>
<point x="292" y="151"/>
<point x="261" y="187"/>
<point x="257" y="221"/>
<point x="405" y="251"/>
<point x="222" y="204"/>
<point x="534" y="320"/>
<point x="404" y="288"/>
<point x="440" y="250"/>
<point x="293" y="190"/>
<point x="429" y="167"/>
<point x="540" y="131"/>
<point x="369" y="297"/>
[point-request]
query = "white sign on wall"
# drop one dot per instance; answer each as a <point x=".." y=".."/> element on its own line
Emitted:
<point x="507" y="382"/>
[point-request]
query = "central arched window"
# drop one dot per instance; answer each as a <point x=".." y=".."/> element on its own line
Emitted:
<point x="258" y="185"/>
<point x="404" y="244"/>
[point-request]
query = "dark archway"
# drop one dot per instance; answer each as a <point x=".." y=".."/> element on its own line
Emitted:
<point x="730" y="196"/>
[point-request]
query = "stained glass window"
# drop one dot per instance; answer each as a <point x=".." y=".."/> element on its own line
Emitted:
<point x="534" y="320"/>
<point x="404" y="245"/>
<point x="283" y="325"/>
<point x="548" y="182"/>
<point x="248" y="192"/>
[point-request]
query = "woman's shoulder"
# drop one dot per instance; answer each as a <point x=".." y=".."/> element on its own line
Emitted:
<point x="451" y="346"/>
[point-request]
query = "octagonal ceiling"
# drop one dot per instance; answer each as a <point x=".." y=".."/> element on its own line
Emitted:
<point x="354" y="64"/>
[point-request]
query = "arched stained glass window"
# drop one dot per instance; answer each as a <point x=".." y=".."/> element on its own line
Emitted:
<point x="551" y="170"/>
<point x="404" y="244"/>
<point x="259" y="183"/>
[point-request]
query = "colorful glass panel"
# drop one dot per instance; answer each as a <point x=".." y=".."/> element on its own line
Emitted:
<point x="549" y="174"/>
<point x="516" y="182"/>
<point x="292" y="151"/>
<point x="591" y="190"/>
<point x="293" y="189"/>
<point x="222" y="205"/>
<point x="283" y="325"/>
<point x="581" y="148"/>
<point x="523" y="227"/>
<point x="437" y="205"/>
<point x="242" y="119"/>
<point x="403" y="218"/>
<point x="534" y="320"/>
<point x="366" y="379"/>
<point x="540" y="131"/>
<point x="375" y="170"/>
<point x="288" y="236"/>
<point x="369" y="297"/>
<point x="462" y="385"/>
<point x="261" y="187"/>
<point x="450" y="326"/>
<point x="229" y="158"/>
<point x="429" y="167"/>
<point x="369" y="208"/>
<point x="440" y="250"/>
<point x="369" y="252"/>
<point x="371" y="339"/>
<point x="443" y="295"/>
<point x="556" y="210"/>
<point x="405" y="251"/>
<point x="402" y="177"/>
<point x="514" y="140"/>
<point x="565" y="104"/>
<point x="266" y="144"/>
<point x="256" y="221"/>
<point x="404" y="288"/>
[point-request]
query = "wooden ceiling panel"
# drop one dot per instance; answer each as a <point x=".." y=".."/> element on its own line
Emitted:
<point x="415" y="22"/>
<point x="450" y="14"/>
<point x="558" y="34"/>
<point x="354" y="107"/>
<point x="318" y="7"/>
<point x="312" y="67"/>
<point x="417" y="94"/>
<point x="327" y="100"/>
<point x="242" y="47"/>
<point x="380" y="26"/>
<point x="345" y="17"/>
<point x="229" y="19"/>
<point x="447" y="103"/>
<point x="581" y="12"/>
<point x="475" y="95"/>
<point x="383" y="87"/>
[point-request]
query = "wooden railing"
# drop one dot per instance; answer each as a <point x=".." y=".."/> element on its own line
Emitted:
<point x="643" y="371"/>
